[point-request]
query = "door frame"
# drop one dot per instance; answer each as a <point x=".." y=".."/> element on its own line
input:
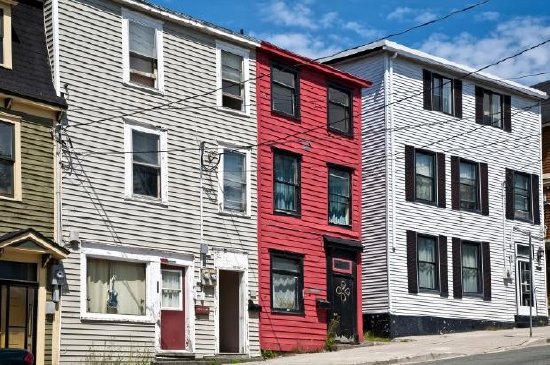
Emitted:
<point x="182" y="271"/>
<point x="237" y="262"/>
<point x="521" y="309"/>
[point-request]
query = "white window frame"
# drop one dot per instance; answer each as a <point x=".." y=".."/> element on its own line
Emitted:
<point x="17" y="178"/>
<point x="151" y="267"/>
<point x="128" y="15"/>
<point x="245" y="54"/>
<point x="180" y="305"/>
<point x="246" y="151"/>
<point x="6" y="5"/>
<point x="130" y="126"/>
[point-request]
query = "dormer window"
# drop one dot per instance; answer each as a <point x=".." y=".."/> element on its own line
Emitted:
<point x="5" y="35"/>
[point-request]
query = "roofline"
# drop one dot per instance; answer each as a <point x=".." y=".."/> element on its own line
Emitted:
<point x="57" y="106"/>
<point x="189" y="22"/>
<point x="307" y="62"/>
<point x="423" y="57"/>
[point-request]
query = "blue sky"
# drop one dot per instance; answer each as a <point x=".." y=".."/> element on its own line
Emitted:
<point x="318" y="28"/>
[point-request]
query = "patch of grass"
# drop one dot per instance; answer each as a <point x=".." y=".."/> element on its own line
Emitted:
<point x="236" y="361"/>
<point x="371" y="337"/>
<point x="270" y="354"/>
<point x="111" y="355"/>
<point x="330" y="342"/>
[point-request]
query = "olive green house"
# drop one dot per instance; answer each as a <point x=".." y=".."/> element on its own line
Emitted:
<point x="30" y="270"/>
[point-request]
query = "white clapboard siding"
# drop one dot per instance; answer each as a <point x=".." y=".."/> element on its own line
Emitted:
<point x="373" y="228"/>
<point x="93" y="184"/>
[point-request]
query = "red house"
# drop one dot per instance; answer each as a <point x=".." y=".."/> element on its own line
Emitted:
<point x="309" y="220"/>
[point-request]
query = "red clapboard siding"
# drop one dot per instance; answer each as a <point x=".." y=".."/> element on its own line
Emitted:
<point x="304" y="234"/>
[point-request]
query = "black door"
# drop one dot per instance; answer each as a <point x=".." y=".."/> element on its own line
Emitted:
<point x="342" y="296"/>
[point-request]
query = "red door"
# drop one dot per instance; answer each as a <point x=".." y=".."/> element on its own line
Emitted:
<point x="172" y="316"/>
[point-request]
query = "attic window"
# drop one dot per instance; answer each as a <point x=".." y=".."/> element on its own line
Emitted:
<point x="5" y="35"/>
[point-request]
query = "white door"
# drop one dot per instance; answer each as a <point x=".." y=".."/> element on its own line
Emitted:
<point x="524" y="273"/>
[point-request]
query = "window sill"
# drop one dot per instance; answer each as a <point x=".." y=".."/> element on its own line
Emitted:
<point x="116" y="318"/>
<point x="294" y="118"/>
<point x="143" y="88"/>
<point x="151" y="201"/>
<point x="14" y="199"/>
<point x="339" y="133"/>
<point x="424" y="202"/>
<point x="283" y="213"/>
<point x="287" y="313"/>
<point x="528" y="221"/>
<point x="230" y="213"/>
<point x="429" y="291"/>
<point x="343" y="226"/>
<point x="227" y="110"/>
<point x="475" y="211"/>
<point x="473" y="296"/>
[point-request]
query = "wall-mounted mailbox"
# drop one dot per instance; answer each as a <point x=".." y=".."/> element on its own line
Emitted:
<point x="202" y="310"/>
<point x="253" y="307"/>
<point x="322" y="303"/>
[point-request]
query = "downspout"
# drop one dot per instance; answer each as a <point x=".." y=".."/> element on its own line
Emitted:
<point x="201" y="217"/>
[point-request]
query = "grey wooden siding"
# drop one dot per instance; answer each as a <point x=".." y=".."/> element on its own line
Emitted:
<point x="36" y="209"/>
<point x="374" y="199"/>
<point x="519" y="150"/>
<point x="93" y="196"/>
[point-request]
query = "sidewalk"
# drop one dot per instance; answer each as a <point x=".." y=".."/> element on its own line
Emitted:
<point x="409" y="350"/>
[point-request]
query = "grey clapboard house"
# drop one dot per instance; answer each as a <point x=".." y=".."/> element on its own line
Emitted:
<point x="163" y="255"/>
<point x="451" y="189"/>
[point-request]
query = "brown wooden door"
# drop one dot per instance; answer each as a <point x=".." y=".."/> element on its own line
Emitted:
<point x="172" y="320"/>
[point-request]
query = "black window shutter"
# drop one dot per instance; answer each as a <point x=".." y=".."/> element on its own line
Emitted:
<point x="443" y="266"/>
<point x="486" y="254"/>
<point x="457" y="269"/>
<point x="509" y="194"/>
<point x="479" y="105"/>
<point x="409" y="173"/>
<point x="457" y="85"/>
<point x="427" y="78"/>
<point x="507" y="113"/>
<point x="441" y="192"/>
<point x="455" y="183"/>
<point x="411" y="262"/>
<point x="535" y="197"/>
<point x="484" y="186"/>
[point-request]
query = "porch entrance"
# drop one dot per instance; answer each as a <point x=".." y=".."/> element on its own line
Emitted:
<point x="18" y="298"/>
<point x="230" y="315"/>
<point x="524" y="273"/>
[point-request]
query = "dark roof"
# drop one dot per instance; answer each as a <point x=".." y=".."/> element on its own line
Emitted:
<point x="544" y="86"/>
<point x="23" y="232"/>
<point x="31" y="76"/>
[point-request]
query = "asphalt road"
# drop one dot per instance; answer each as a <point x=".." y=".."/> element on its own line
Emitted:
<point x="539" y="355"/>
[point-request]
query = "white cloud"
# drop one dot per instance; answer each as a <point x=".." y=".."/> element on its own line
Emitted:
<point x="296" y="14"/>
<point x="304" y="44"/>
<point x="361" y="30"/>
<point x="404" y="13"/>
<point x="425" y="16"/>
<point x="400" y="13"/>
<point x="329" y="19"/>
<point x="506" y="39"/>
<point x="487" y="16"/>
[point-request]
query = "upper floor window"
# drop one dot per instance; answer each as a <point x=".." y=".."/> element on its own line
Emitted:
<point x="339" y="196"/>
<point x="146" y="170"/>
<point x="284" y="90"/>
<point x="287" y="282"/>
<point x="233" y="66"/>
<point x="10" y="160"/>
<point x="522" y="196"/>
<point x="493" y="109"/>
<point x="425" y="176"/>
<point x="442" y="94"/>
<point x="142" y="44"/>
<point x="286" y="194"/>
<point x="469" y="185"/>
<point x="5" y="36"/>
<point x="234" y="194"/>
<point x="339" y="111"/>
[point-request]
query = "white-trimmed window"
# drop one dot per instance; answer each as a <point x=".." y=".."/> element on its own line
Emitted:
<point x="5" y="35"/>
<point x="146" y="162"/>
<point x="234" y="180"/>
<point x="142" y="50"/>
<point x="10" y="158"/>
<point x="171" y="290"/>
<point x="117" y="286"/>
<point x="232" y="64"/>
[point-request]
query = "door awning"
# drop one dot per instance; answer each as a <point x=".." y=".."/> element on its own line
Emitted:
<point x="33" y="241"/>
<point x="343" y="243"/>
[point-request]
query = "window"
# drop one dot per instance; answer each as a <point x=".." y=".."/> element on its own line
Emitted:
<point x="286" y="283"/>
<point x="171" y="290"/>
<point x="522" y="196"/>
<point x="425" y="182"/>
<point x="7" y="159"/>
<point x="234" y="180"/>
<point x="284" y="91"/>
<point x="442" y="94"/>
<point x="232" y="65"/>
<point x="469" y="185"/>
<point x="471" y="268"/>
<point x="146" y="165"/>
<point x="339" y="111"/>
<point x="286" y="183"/>
<point x="115" y="287"/>
<point x="428" y="271"/>
<point x="5" y="36"/>
<point x="339" y="196"/>
<point x="492" y="109"/>
<point x="142" y="44"/>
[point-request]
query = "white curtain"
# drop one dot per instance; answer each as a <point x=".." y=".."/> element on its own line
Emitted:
<point x="426" y="265"/>
<point x="284" y="291"/>
<point x="470" y="272"/>
<point x="424" y="176"/>
<point x="128" y="281"/>
<point x="171" y="289"/>
<point x="447" y="94"/>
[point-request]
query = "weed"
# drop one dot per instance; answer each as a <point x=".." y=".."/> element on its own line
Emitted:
<point x="330" y="342"/>
<point x="110" y="355"/>
<point x="371" y="337"/>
